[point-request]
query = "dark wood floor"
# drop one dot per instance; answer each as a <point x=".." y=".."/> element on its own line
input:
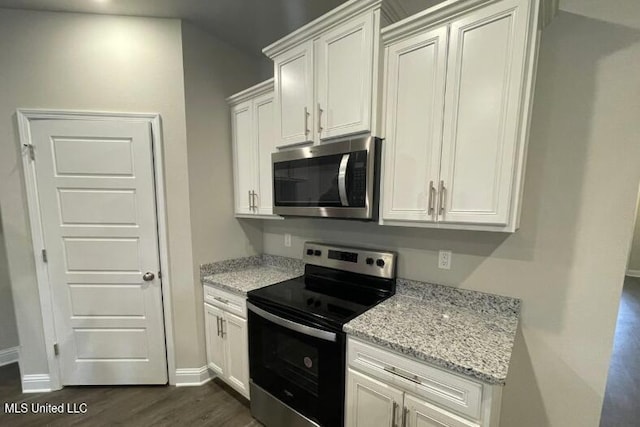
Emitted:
<point x="213" y="404"/>
<point x="621" y="406"/>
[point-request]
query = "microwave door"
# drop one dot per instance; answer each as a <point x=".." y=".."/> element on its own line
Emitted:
<point x="342" y="180"/>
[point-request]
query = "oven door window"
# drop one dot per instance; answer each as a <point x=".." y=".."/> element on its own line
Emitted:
<point x="315" y="182"/>
<point x="304" y="372"/>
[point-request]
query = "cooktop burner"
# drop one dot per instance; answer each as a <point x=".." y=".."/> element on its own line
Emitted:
<point x="339" y="284"/>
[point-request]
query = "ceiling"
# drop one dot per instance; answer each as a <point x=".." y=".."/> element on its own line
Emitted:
<point x="248" y="25"/>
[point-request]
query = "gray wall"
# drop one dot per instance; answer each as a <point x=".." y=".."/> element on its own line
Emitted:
<point x="634" y="255"/>
<point x="93" y="62"/>
<point x="212" y="72"/>
<point x="568" y="259"/>
<point x="8" y="328"/>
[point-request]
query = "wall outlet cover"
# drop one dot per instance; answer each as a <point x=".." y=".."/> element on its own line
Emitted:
<point x="287" y="240"/>
<point x="444" y="260"/>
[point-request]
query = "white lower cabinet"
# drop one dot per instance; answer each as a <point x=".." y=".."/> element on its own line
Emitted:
<point x="386" y="389"/>
<point x="226" y="338"/>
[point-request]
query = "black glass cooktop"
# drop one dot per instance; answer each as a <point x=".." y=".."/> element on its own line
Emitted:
<point x="326" y="295"/>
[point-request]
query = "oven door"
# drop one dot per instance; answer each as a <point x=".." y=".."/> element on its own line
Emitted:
<point x="300" y="365"/>
<point x="333" y="180"/>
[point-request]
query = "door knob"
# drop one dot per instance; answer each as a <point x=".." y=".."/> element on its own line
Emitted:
<point x="148" y="276"/>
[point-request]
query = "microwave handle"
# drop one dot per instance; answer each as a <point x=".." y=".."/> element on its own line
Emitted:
<point x="286" y="323"/>
<point x="342" y="179"/>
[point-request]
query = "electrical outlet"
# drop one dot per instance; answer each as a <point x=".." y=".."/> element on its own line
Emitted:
<point x="287" y="240"/>
<point x="444" y="260"/>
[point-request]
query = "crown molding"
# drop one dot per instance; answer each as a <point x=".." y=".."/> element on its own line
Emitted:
<point x="256" y="90"/>
<point x="321" y="24"/>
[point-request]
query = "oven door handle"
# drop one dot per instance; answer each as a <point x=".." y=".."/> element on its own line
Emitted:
<point x="342" y="179"/>
<point x="285" y="323"/>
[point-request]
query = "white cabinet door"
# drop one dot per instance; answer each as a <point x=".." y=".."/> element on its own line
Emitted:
<point x="423" y="414"/>
<point x="263" y="122"/>
<point x="484" y="88"/>
<point x="214" y="340"/>
<point x="345" y="73"/>
<point x="371" y="403"/>
<point x="294" y="95"/>
<point x="414" y="80"/>
<point x="234" y="330"/>
<point x="243" y="156"/>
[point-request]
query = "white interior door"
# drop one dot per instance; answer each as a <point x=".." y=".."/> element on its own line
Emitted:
<point x="482" y="112"/>
<point x="414" y="80"/>
<point x="95" y="187"/>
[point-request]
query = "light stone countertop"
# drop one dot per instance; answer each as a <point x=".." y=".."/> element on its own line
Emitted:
<point x="246" y="274"/>
<point x="466" y="332"/>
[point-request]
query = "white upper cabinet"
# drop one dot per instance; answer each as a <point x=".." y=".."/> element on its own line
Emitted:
<point x="294" y="94"/>
<point x="253" y="141"/>
<point x="457" y="114"/>
<point x="482" y="113"/>
<point x="327" y="74"/>
<point x="345" y="65"/>
<point x="264" y="131"/>
<point x="415" y="94"/>
<point x="244" y="156"/>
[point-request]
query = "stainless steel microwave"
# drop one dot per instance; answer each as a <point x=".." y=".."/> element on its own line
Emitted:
<point x="334" y="180"/>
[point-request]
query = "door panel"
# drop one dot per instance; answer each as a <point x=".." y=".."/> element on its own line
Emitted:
<point x="96" y="193"/>
<point x="415" y="80"/>
<point x="482" y="110"/>
<point x="244" y="156"/>
<point x="424" y="414"/>
<point x="214" y="340"/>
<point x="294" y="95"/>
<point x="266" y="144"/>
<point x="345" y="64"/>
<point x="370" y="403"/>
<point x="237" y="348"/>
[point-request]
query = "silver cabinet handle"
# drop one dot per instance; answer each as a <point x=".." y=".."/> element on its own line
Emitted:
<point x="342" y="180"/>
<point x="306" y="121"/>
<point x="393" y="414"/>
<point x="218" y="324"/>
<point x="249" y="199"/>
<point x="222" y="300"/>
<point x="405" y="414"/>
<point x="253" y="199"/>
<point x="222" y="332"/>
<point x="442" y="197"/>
<point x="431" y="198"/>
<point x="407" y="376"/>
<point x="319" y="118"/>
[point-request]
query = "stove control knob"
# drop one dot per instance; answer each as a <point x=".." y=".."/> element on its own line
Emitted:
<point x="309" y="301"/>
<point x="317" y="304"/>
<point x="369" y="261"/>
<point x="380" y="263"/>
<point x="309" y="251"/>
<point x="317" y="252"/>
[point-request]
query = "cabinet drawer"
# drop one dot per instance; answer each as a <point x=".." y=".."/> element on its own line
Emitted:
<point x="227" y="301"/>
<point x="446" y="390"/>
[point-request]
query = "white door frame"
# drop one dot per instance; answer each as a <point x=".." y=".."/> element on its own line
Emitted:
<point x="25" y="116"/>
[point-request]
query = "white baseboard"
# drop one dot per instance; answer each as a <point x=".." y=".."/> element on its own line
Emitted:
<point x="10" y="355"/>
<point x="187" y="377"/>
<point x="633" y="273"/>
<point x="36" y="383"/>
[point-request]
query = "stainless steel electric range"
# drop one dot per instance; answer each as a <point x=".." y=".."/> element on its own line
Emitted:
<point x="296" y="343"/>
